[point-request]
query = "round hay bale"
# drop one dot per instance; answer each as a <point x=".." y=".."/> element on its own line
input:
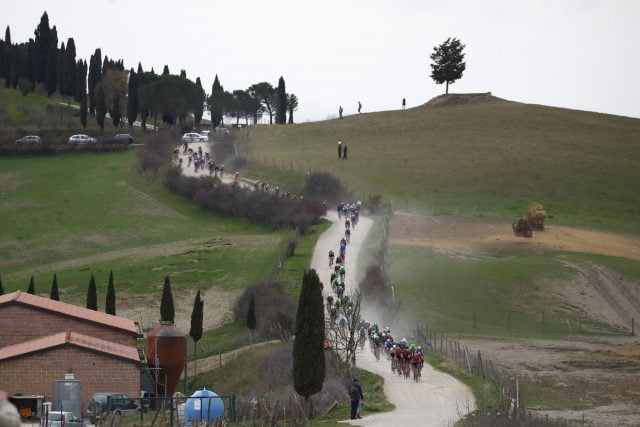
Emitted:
<point x="536" y="216"/>
<point x="522" y="228"/>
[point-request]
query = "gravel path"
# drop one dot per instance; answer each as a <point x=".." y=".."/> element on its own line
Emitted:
<point x="439" y="399"/>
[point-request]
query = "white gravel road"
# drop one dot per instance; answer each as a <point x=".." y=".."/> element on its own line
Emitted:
<point x="439" y="399"/>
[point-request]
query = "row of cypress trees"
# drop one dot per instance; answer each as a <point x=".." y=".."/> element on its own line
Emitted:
<point x="92" y="295"/>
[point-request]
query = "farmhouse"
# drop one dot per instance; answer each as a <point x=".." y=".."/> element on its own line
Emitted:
<point x="42" y="340"/>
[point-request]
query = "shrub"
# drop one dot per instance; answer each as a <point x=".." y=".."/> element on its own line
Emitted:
<point x="324" y="186"/>
<point x="238" y="162"/>
<point x="273" y="305"/>
<point x="25" y="86"/>
<point x="261" y="207"/>
<point x="156" y="153"/>
<point x="294" y="240"/>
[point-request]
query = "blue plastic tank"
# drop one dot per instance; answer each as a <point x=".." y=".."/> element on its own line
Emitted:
<point x="208" y="408"/>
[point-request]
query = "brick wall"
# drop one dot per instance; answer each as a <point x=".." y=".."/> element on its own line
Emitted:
<point x="34" y="373"/>
<point x="20" y="323"/>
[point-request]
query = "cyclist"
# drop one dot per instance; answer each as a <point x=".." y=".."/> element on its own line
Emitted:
<point x="331" y="256"/>
<point x="347" y="234"/>
<point x="343" y="272"/>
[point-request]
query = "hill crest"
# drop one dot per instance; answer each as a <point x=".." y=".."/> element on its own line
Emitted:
<point x="454" y="99"/>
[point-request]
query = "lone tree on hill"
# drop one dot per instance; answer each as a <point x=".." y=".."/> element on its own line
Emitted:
<point x="196" y="325"/>
<point x="92" y="294"/>
<point x="110" y="307"/>
<point x="265" y="93"/>
<point x="251" y="316"/>
<point x="54" y="288"/>
<point x="448" y="62"/>
<point x="308" y="346"/>
<point x="32" y="287"/>
<point x="167" y="312"/>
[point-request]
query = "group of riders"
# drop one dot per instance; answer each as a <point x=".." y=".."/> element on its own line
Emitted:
<point x="339" y="302"/>
<point x="406" y="359"/>
<point x="201" y="160"/>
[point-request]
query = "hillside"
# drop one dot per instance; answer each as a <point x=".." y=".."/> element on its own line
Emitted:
<point x="483" y="157"/>
<point x="82" y="214"/>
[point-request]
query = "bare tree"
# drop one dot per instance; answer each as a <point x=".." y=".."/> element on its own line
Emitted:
<point x="343" y="330"/>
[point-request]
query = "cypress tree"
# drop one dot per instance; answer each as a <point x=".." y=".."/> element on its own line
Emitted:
<point x="198" y="107"/>
<point x="281" y="103"/>
<point x="61" y="68"/>
<point x="1" y="287"/>
<point x="292" y="105"/>
<point x="197" y="316"/>
<point x="165" y="70"/>
<point x="54" y="288"/>
<point x="95" y="74"/>
<point x="6" y="64"/>
<point x="44" y="36"/>
<point x="51" y="82"/>
<point x="132" y="98"/>
<point x="101" y="107"/>
<point x="167" y="312"/>
<point x="308" y="345"/>
<point x="140" y="71"/>
<point x="32" y="287"/>
<point x="83" y="111"/>
<point x="110" y="307"/>
<point x="183" y="74"/>
<point x="92" y="294"/>
<point x="69" y="73"/>
<point x="216" y="102"/>
<point x="116" y="114"/>
<point x="251" y="314"/>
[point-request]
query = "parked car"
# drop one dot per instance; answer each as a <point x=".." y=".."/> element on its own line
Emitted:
<point x="121" y="138"/>
<point x="193" y="137"/>
<point x="62" y="419"/>
<point x="29" y="140"/>
<point x="121" y="404"/>
<point x="81" y="139"/>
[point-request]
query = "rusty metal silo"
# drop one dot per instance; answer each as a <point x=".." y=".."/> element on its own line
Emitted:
<point x="166" y="353"/>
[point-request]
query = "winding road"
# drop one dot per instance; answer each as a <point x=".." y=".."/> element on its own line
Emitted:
<point x="438" y="399"/>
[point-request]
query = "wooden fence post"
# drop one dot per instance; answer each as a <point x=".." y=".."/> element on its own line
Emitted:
<point x="633" y="326"/>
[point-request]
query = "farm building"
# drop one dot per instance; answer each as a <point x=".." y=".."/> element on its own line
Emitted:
<point x="42" y="340"/>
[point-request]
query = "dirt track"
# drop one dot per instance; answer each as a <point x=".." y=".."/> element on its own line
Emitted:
<point x="438" y="399"/>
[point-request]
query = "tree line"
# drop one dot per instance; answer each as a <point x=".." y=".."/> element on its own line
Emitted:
<point x="104" y="86"/>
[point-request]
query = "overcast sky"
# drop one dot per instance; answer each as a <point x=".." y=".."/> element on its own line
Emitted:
<point x="582" y="54"/>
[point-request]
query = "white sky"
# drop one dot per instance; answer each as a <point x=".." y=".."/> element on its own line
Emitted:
<point x="581" y="54"/>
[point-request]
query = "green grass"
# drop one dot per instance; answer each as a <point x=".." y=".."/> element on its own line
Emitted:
<point x="290" y="274"/>
<point x="374" y="401"/>
<point x="81" y="213"/>
<point x="507" y="292"/>
<point x="223" y="339"/>
<point x="487" y="159"/>
<point x="15" y="108"/>
<point x="485" y="393"/>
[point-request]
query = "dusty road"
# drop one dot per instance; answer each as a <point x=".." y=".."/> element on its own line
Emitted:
<point x="439" y="399"/>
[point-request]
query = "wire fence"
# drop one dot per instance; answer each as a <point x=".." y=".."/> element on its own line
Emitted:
<point x="457" y="352"/>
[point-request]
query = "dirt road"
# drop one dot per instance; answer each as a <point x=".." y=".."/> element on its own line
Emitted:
<point x="439" y="399"/>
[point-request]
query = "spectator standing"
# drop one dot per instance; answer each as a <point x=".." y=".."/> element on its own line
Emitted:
<point x="340" y="110"/>
<point x="344" y="152"/>
<point x="359" y="107"/>
<point x="339" y="149"/>
<point x="355" y="393"/>
<point x="404" y="103"/>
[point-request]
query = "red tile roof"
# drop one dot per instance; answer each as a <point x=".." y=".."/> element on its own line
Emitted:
<point x="73" y="338"/>
<point x="69" y="310"/>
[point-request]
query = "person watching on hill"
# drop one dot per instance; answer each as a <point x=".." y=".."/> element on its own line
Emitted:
<point x="339" y="149"/>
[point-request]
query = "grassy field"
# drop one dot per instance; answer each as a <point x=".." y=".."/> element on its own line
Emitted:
<point x="487" y="159"/>
<point x="245" y="374"/>
<point x="504" y="293"/>
<point x="79" y="214"/>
